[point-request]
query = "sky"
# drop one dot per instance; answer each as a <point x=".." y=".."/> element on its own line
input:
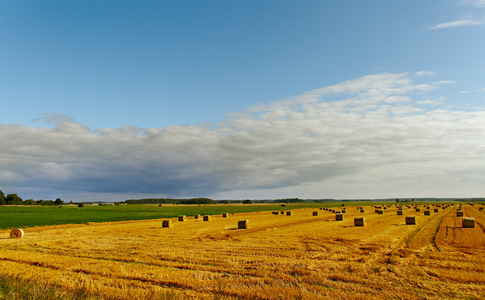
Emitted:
<point x="115" y="100"/>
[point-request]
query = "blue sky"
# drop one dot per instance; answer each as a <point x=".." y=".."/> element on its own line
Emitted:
<point x="118" y="99"/>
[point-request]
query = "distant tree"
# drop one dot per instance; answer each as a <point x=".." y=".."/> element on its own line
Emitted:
<point x="2" y="198"/>
<point x="80" y="205"/>
<point x="29" y="202"/>
<point x="59" y="202"/>
<point x="247" y="202"/>
<point x="13" y="199"/>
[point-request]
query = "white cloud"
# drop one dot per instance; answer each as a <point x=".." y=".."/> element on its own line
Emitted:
<point x="467" y="22"/>
<point x="424" y="73"/>
<point x="475" y="2"/>
<point x="368" y="137"/>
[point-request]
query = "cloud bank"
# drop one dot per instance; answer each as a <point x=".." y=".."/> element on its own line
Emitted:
<point x="377" y="136"/>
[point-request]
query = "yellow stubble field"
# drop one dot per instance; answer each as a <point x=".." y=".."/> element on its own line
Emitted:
<point x="279" y="257"/>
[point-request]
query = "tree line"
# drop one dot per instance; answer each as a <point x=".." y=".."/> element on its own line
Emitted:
<point x="14" y="199"/>
<point x="171" y="201"/>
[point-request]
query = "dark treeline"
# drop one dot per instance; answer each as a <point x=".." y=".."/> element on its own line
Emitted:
<point x="289" y="200"/>
<point x="171" y="201"/>
<point x="14" y="199"/>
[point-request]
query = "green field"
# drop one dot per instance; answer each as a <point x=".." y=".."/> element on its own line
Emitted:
<point x="29" y="216"/>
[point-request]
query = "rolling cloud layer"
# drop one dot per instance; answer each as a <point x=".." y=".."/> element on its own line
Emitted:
<point x="377" y="136"/>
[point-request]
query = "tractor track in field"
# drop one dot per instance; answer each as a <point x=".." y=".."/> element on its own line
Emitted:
<point x="430" y="230"/>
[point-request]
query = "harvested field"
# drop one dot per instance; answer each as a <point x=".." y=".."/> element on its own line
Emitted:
<point x="302" y="257"/>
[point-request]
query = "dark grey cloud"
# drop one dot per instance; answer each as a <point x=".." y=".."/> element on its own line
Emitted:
<point x="379" y="134"/>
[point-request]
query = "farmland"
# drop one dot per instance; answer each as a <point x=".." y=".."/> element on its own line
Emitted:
<point x="301" y="256"/>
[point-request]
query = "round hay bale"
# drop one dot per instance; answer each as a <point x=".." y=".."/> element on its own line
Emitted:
<point x="276" y="213"/>
<point x="410" y="220"/>
<point x="224" y="215"/>
<point x="339" y="217"/>
<point x="244" y="224"/>
<point x="459" y="213"/>
<point x="289" y="213"/>
<point x="359" y="221"/>
<point x="207" y="218"/>
<point x="282" y="212"/>
<point x="427" y="213"/>
<point x="418" y="209"/>
<point x="182" y="218"/>
<point x="436" y="210"/>
<point x="380" y="211"/>
<point x="197" y="217"/>
<point x="468" y="222"/>
<point x="17" y="233"/>
<point x="167" y="223"/>
<point x="480" y="208"/>
<point x="362" y="210"/>
<point x="399" y="212"/>
<point x="315" y="213"/>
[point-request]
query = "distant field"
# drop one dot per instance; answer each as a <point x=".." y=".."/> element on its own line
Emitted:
<point x="24" y="216"/>
<point x="28" y="216"/>
<point x="280" y="257"/>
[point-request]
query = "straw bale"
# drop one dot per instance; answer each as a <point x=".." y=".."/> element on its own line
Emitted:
<point x="410" y="220"/>
<point x="167" y="223"/>
<point x="17" y="233"/>
<point x="244" y="224"/>
<point x="359" y="221"/>
<point x="468" y="222"/>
